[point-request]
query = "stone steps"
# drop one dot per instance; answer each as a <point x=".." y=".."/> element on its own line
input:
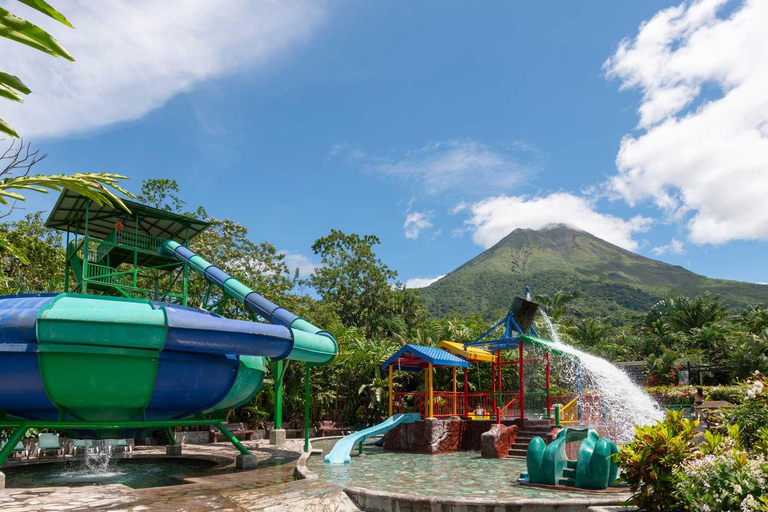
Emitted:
<point x="536" y="428"/>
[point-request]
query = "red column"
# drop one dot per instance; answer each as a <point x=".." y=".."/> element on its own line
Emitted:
<point x="493" y="386"/>
<point x="549" y="399"/>
<point x="522" y="381"/>
<point x="466" y="393"/>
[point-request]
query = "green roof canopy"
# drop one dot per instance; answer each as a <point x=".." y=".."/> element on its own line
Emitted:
<point x="69" y="215"/>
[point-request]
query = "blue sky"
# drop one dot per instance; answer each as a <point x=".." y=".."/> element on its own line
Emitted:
<point x="439" y="126"/>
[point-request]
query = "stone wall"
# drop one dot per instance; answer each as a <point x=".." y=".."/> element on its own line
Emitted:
<point x="439" y="436"/>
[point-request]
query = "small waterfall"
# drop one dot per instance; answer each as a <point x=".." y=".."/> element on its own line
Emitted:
<point x="96" y="464"/>
<point x="626" y="404"/>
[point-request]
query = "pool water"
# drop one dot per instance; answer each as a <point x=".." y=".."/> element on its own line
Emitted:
<point x="138" y="473"/>
<point x="449" y="475"/>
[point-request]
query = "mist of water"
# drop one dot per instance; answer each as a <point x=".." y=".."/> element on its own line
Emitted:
<point x="95" y="465"/>
<point x="625" y="403"/>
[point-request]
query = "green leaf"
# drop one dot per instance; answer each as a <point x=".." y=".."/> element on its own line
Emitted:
<point x="10" y="94"/>
<point x="13" y="82"/>
<point x="45" y="8"/>
<point x="7" y="247"/>
<point x="5" y="128"/>
<point x="22" y="31"/>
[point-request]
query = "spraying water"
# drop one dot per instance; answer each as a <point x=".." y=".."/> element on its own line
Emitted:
<point x="95" y="464"/>
<point x="625" y="404"/>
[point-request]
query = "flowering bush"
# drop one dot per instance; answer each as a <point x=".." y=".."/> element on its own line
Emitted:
<point x="734" y="394"/>
<point x="728" y="481"/>
<point x="668" y="395"/>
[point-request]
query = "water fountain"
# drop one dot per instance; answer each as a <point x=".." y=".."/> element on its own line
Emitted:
<point x="625" y="403"/>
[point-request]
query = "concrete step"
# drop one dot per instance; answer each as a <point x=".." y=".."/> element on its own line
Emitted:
<point x="570" y="464"/>
<point x="518" y="452"/>
<point x="567" y="481"/>
<point x="569" y="473"/>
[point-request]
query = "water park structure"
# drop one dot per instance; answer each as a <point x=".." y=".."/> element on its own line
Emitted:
<point x="122" y="353"/>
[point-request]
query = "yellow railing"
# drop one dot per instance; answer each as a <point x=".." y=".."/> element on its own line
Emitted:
<point x="569" y="414"/>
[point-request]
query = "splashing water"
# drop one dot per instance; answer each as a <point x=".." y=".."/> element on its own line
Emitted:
<point x="95" y="464"/>
<point x="625" y="404"/>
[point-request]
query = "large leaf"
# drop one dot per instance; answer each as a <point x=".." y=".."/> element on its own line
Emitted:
<point x="43" y="7"/>
<point x="10" y="94"/>
<point x="13" y="82"/>
<point x="7" y="247"/>
<point x="91" y="185"/>
<point x="5" y="128"/>
<point x="24" y="32"/>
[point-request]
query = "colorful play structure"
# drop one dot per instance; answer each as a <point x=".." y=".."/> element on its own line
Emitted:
<point x="495" y="403"/>
<point x="121" y="353"/>
<point x="576" y="458"/>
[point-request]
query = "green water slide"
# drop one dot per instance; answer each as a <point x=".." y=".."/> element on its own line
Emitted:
<point x="310" y="343"/>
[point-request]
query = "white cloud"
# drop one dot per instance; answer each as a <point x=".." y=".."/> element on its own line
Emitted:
<point x="457" y="232"/>
<point x="495" y="217"/>
<point x="295" y="260"/>
<point x="702" y="157"/>
<point x="675" y="246"/>
<point x="416" y="222"/>
<point x="464" y="165"/>
<point x="463" y="205"/>
<point x="134" y="55"/>
<point x="421" y="282"/>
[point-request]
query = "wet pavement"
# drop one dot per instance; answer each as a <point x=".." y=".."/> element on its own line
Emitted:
<point x="271" y="487"/>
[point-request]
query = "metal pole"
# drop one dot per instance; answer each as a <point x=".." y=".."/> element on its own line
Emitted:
<point x="578" y="390"/>
<point x="557" y="415"/>
<point x="522" y="379"/>
<point x="232" y="439"/>
<point x="7" y="450"/>
<point x="171" y="436"/>
<point x="391" y="397"/>
<point x="279" y="394"/>
<point x="549" y="399"/>
<point x="466" y="392"/>
<point x="84" y="286"/>
<point x="306" y="407"/>
<point x="493" y="385"/>
<point x="431" y="404"/>
<point x="454" y="391"/>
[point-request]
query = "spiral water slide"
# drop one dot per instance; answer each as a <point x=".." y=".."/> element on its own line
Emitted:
<point x="107" y="367"/>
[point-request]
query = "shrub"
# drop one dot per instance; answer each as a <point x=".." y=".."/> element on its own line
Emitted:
<point x="649" y="462"/>
<point x="734" y="394"/>
<point x="669" y="395"/>
<point x="751" y="415"/>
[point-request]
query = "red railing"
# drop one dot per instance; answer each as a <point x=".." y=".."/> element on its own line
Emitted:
<point x="448" y="403"/>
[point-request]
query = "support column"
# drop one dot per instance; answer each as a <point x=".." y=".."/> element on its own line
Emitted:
<point x="174" y="448"/>
<point x="522" y="379"/>
<point x="306" y="407"/>
<point x="493" y="388"/>
<point x="16" y="436"/>
<point x="549" y="399"/>
<point x="277" y="434"/>
<point x="431" y="396"/>
<point x="391" y="396"/>
<point x="454" y="391"/>
<point x="246" y="460"/>
<point x="466" y="392"/>
<point x="578" y="390"/>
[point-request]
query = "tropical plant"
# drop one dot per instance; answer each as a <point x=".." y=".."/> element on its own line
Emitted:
<point x="558" y="304"/>
<point x="649" y="461"/>
<point x="24" y="32"/>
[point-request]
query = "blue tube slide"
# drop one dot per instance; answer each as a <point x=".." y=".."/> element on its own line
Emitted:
<point x="310" y="344"/>
<point x="340" y="452"/>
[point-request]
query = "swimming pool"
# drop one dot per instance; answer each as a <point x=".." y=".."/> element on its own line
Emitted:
<point x="449" y="475"/>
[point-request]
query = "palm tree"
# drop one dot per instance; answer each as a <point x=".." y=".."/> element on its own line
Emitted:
<point x="21" y="31"/>
<point x="557" y="304"/>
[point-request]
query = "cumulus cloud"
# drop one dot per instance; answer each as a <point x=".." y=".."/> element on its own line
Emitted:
<point x="701" y="156"/>
<point x="416" y="222"/>
<point x="675" y="246"/>
<point x="299" y="261"/>
<point x="453" y="165"/>
<point x="132" y="56"/>
<point x="494" y="218"/>
<point x="421" y="282"/>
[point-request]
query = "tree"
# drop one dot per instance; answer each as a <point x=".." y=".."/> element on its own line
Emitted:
<point x="353" y="279"/>
<point x="44" y="256"/>
<point x="24" y="32"/>
<point x="161" y="193"/>
<point x="557" y="304"/>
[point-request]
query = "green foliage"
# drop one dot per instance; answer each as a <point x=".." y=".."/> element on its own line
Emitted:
<point x="751" y="415"/>
<point x="42" y="269"/>
<point x="26" y="33"/>
<point x="611" y="281"/>
<point x="649" y="462"/>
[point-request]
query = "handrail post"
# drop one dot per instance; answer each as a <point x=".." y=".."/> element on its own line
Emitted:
<point x="391" y="404"/>
<point x="557" y="415"/>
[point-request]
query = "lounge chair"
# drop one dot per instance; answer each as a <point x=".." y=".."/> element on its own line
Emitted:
<point x="83" y="445"/>
<point x="19" y="448"/>
<point x="47" y="442"/>
<point x="113" y="444"/>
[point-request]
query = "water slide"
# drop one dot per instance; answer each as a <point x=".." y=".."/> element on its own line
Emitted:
<point x="308" y="343"/>
<point x="340" y="452"/>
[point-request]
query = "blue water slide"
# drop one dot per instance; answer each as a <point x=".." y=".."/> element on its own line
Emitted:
<point x="340" y="452"/>
<point x="310" y="344"/>
<point x="21" y="386"/>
